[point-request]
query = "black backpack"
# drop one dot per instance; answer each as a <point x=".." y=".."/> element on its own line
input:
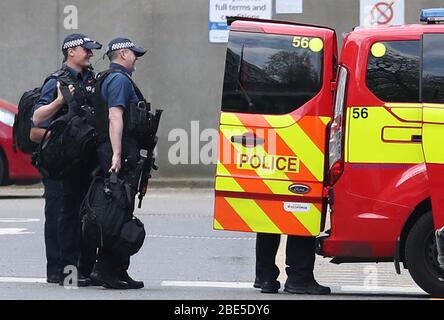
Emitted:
<point x="23" y="118"/>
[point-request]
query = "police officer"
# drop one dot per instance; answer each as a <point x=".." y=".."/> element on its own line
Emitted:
<point x="118" y="150"/>
<point x="77" y="51"/>
<point x="300" y="259"/>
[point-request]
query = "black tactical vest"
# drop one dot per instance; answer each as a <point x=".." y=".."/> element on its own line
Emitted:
<point x="132" y="118"/>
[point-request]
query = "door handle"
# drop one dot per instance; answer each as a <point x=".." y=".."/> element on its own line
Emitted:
<point x="249" y="140"/>
<point x="416" y="138"/>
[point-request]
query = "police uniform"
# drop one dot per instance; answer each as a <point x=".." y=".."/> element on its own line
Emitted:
<point x="63" y="198"/>
<point x="117" y="90"/>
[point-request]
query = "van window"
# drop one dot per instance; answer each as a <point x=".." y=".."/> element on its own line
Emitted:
<point x="270" y="74"/>
<point x="393" y="70"/>
<point x="433" y="68"/>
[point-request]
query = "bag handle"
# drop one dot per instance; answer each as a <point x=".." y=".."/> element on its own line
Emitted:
<point x="73" y="107"/>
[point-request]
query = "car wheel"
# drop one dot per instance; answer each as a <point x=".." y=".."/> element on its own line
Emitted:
<point x="3" y="170"/>
<point x="421" y="256"/>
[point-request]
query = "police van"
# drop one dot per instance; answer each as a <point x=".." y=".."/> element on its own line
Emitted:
<point x="349" y="148"/>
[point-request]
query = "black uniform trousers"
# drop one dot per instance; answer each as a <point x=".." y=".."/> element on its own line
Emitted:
<point x="73" y="250"/>
<point x="300" y="258"/>
<point x="108" y="261"/>
<point x="53" y="209"/>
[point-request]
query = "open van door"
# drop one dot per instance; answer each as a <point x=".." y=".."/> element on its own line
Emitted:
<point x="276" y="107"/>
<point x="432" y="97"/>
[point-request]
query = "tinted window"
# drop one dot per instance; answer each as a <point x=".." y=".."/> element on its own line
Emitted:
<point x="393" y="71"/>
<point x="433" y="68"/>
<point x="267" y="74"/>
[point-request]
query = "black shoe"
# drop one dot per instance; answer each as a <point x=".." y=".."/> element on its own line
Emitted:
<point x="308" y="288"/>
<point x="81" y="281"/>
<point x="94" y="281"/>
<point x="53" y="278"/>
<point x="109" y="281"/>
<point x="257" y="283"/>
<point x="270" y="286"/>
<point x="132" y="284"/>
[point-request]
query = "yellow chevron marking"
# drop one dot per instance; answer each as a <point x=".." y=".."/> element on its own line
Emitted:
<point x="311" y="220"/>
<point x="217" y="225"/>
<point x="300" y="143"/>
<point x="253" y="215"/>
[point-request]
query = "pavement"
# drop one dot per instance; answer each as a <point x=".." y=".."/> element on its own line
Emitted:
<point x="183" y="258"/>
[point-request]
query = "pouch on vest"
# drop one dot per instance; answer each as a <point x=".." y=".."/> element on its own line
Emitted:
<point x="132" y="237"/>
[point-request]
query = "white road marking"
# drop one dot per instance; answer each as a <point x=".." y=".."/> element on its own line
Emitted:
<point x="22" y="280"/>
<point x="375" y="289"/>
<point x="207" y="284"/>
<point x="17" y="220"/>
<point x="249" y="285"/>
<point x="14" y="231"/>
<point x="197" y="237"/>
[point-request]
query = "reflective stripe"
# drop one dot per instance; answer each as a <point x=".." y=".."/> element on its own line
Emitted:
<point x="433" y="143"/>
<point x="253" y="215"/>
<point x="284" y="152"/>
<point x="364" y="138"/>
<point x="311" y="219"/>
<point x="433" y="133"/>
<point x="408" y="114"/>
<point x="433" y="114"/>
<point x="217" y="225"/>
<point x="301" y="145"/>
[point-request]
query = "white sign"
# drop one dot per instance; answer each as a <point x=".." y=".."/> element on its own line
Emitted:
<point x="221" y="9"/>
<point x="289" y="6"/>
<point x="382" y="12"/>
<point x="296" y="207"/>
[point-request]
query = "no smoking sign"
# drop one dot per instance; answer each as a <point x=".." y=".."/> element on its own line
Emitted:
<point x="381" y="12"/>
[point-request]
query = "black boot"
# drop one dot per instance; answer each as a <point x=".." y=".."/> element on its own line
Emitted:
<point x="109" y="280"/>
<point x="53" y="278"/>
<point x="257" y="283"/>
<point x="272" y="286"/>
<point x="132" y="284"/>
<point x="311" y="287"/>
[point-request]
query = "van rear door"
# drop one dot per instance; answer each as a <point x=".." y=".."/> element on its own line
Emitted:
<point x="276" y="107"/>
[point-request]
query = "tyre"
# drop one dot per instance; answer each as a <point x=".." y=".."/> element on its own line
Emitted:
<point x="3" y="170"/>
<point x="421" y="256"/>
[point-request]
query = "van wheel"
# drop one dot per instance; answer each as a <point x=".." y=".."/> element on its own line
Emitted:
<point x="3" y="170"/>
<point x="421" y="256"/>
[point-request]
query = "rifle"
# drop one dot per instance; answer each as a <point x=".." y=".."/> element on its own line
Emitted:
<point x="149" y="160"/>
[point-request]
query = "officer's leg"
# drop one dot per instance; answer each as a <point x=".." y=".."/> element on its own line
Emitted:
<point x="300" y="264"/>
<point x="90" y="240"/>
<point x="300" y="259"/>
<point x="53" y="206"/>
<point x="267" y="245"/>
<point x="90" y="236"/>
<point x="69" y="228"/>
<point x="106" y="269"/>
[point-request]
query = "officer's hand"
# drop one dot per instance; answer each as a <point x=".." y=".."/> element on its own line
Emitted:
<point x="115" y="164"/>
<point x="59" y="98"/>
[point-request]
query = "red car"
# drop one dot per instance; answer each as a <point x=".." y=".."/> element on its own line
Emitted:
<point x="15" y="166"/>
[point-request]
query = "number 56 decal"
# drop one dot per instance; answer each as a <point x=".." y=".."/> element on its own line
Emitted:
<point x="314" y="44"/>
<point x="360" y="113"/>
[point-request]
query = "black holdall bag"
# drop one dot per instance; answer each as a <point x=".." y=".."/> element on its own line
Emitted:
<point x="108" y="208"/>
<point x="67" y="143"/>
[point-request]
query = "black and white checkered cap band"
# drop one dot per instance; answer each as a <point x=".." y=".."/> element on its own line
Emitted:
<point x="75" y="43"/>
<point x="122" y="45"/>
